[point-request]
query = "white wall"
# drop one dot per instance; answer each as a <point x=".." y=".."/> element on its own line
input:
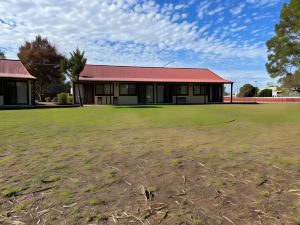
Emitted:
<point x="191" y="99"/>
<point x="122" y="100"/>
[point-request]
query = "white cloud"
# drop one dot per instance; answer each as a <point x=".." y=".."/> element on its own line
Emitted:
<point x="262" y="3"/>
<point x="202" y="8"/>
<point x="115" y="31"/>
<point x="238" y="9"/>
<point x="216" y="10"/>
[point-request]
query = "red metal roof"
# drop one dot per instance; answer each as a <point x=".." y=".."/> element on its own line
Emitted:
<point x="149" y="74"/>
<point x="13" y="69"/>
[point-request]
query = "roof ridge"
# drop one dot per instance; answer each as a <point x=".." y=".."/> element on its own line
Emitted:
<point x="11" y="60"/>
<point x="158" y="67"/>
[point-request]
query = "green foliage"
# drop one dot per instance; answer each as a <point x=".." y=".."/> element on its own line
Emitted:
<point x="2" y="55"/>
<point x="72" y="67"/>
<point x="9" y="191"/>
<point x="247" y="90"/>
<point x="56" y="88"/>
<point x="198" y="222"/>
<point x="265" y="93"/>
<point x="69" y="100"/>
<point x="48" y="99"/>
<point x="62" y="98"/>
<point x="42" y="60"/>
<point x="284" y="47"/>
<point x="292" y="82"/>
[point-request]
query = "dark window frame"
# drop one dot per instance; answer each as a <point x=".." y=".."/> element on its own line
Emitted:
<point x="111" y="87"/>
<point x="16" y="91"/>
<point x="1" y="87"/>
<point x="128" y="94"/>
<point x="202" y="90"/>
<point x="175" y="90"/>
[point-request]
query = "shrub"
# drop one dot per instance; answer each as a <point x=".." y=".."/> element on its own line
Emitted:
<point x="48" y="99"/>
<point x="265" y="93"/>
<point x="62" y="98"/>
<point x="70" y="100"/>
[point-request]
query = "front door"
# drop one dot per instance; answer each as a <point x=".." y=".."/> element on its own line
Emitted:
<point x="145" y="93"/>
<point x="164" y="93"/>
<point x="88" y="94"/>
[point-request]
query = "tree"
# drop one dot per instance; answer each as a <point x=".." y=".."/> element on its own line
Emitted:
<point x="265" y="93"/>
<point x="72" y="68"/>
<point x="2" y="55"/>
<point x="247" y="90"/>
<point x="284" y="47"/>
<point x="292" y="82"/>
<point x="42" y="60"/>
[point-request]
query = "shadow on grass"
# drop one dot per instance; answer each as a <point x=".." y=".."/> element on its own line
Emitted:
<point x="138" y="107"/>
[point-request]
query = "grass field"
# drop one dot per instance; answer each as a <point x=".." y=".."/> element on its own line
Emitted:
<point x="211" y="164"/>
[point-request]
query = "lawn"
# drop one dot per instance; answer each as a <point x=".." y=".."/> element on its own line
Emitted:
<point x="209" y="164"/>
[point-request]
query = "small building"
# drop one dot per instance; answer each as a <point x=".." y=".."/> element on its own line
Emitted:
<point x="16" y="84"/>
<point x="103" y="84"/>
<point x="275" y="91"/>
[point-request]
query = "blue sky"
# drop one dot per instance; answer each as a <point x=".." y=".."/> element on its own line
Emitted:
<point x="227" y="36"/>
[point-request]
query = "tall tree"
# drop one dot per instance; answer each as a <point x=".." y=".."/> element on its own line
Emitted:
<point x="248" y="90"/>
<point x="2" y="55"/>
<point x="284" y="47"/>
<point x="72" y="68"/>
<point x="42" y="60"/>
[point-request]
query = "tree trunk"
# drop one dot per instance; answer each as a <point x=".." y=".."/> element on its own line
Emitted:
<point x="79" y="95"/>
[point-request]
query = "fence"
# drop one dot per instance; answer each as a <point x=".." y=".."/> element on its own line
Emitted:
<point x="263" y="99"/>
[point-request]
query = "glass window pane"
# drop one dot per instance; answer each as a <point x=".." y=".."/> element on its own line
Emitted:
<point x="123" y="89"/>
<point x="131" y="89"/>
<point x="22" y="93"/>
<point x="184" y="89"/>
<point x="196" y="89"/>
<point x="160" y="93"/>
<point x="99" y="89"/>
<point x="149" y="93"/>
<point x="107" y="89"/>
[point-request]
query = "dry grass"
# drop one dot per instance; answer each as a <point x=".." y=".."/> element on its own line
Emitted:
<point x="88" y="165"/>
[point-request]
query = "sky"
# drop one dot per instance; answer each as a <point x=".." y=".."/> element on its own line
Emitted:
<point x="226" y="36"/>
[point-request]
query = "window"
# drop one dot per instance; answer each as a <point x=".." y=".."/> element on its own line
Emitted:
<point x="199" y="89"/>
<point x="181" y="90"/>
<point x="104" y="89"/>
<point x="1" y="87"/>
<point x="128" y="89"/>
<point x="16" y="92"/>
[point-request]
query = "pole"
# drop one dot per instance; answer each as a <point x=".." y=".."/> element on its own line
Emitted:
<point x="231" y="90"/>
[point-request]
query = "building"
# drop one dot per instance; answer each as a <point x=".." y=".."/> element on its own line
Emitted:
<point x="275" y="91"/>
<point x="16" y="84"/>
<point x="102" y="85"/>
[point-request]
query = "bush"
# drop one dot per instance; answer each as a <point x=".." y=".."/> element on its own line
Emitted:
<point x="48" y="99"/>
<point x="62" y="98"/>
<point x="70" y="100"/>
<point x="265" y="93"/>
